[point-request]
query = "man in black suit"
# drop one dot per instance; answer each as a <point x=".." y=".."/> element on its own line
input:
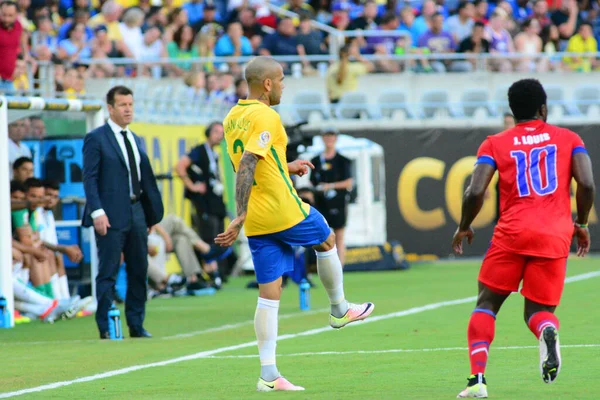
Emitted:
<point x="123" y="201"/>
<point x="200" y="173"/>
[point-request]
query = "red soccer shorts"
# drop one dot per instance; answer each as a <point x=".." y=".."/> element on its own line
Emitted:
<point x="543" y="278"/>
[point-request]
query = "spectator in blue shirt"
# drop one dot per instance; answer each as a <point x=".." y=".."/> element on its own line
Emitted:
<point x="76" y="47"/>
<point x="522" y="10"/>
<point x="421" y="24"/>
<point x="195" y="10"/>
<point x="407" y="24"/>
<point x="233" y="43"/>
<point x="80" y="17"/>
<point x="283" y="42"/>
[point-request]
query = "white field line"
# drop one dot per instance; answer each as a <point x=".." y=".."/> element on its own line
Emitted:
<point x="439" y="349"/>
<point x="205" y="354"/>
<point x="177" y="336"/>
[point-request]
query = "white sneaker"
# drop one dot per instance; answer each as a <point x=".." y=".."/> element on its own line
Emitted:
<point x="476" y="388"/>
<point x="549" y="354"/>
<point x="279" y="384"/>
<point x="356" y="312"/>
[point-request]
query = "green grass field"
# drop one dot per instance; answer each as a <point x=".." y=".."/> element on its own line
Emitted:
<point x="418" y="354"/>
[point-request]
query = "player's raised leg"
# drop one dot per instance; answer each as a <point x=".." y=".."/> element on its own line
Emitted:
<point x="480" y="334"/>
<point x="331" y="274"/>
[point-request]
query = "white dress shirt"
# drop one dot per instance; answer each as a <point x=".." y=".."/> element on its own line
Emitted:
<point x="136" y="153"/>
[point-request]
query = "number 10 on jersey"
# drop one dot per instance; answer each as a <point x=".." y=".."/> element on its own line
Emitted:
<point x="529" y="171"/>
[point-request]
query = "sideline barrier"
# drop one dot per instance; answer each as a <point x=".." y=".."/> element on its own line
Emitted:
<point x="427" y="171"/>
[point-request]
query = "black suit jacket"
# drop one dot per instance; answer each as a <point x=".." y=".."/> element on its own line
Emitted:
<point x="106" y="181"/>
<point x="199" y="171"/>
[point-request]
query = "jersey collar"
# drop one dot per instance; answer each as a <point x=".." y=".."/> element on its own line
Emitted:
<point x="533" y="122"/>
<point x="245" y="103"/>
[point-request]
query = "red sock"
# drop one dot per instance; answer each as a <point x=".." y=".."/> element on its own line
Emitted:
<point x="540" y="320"/>
<point x="480" y="334"/>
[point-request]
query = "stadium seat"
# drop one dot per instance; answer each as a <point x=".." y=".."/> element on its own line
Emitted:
<point x="435" y="102"/>
<point x="352" y="105"/>
<point x="391" y="101"/>
<point x="473" y="100"/>
<point x="556" y="99"/>
<point x="306" y="102"/>
<point x="586" y="96"/>
<point x="501" y="101"/>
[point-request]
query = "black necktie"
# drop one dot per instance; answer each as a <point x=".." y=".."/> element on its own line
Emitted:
<point x="135" y="180"/>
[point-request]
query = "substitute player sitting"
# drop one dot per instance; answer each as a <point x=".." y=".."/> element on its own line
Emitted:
<point x="274" y="217"/>
<point x="536" y="162"/>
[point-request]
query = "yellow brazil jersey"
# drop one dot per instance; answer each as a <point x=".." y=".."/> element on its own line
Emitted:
<point x="274" y="205"/>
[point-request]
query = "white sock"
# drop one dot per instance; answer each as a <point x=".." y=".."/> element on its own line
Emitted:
<point x="265" y="326"/>
<point x="64" y="287"/>
<point x="36" y="309"/>
<point x="331" y="274"/>
<point x="56" y="290"/>
<point x="24" y="293"/>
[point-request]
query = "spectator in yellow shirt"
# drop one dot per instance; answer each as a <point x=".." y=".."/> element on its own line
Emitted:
<point x="109" y="17"/>
<point x="582" y="42"/>
<point x="343" y="76"/>
<point x="73" y="84"/>
<point x="20" y="79"/>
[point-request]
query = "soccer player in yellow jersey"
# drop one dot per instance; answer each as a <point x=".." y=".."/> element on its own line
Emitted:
<point x="274" y="217"/>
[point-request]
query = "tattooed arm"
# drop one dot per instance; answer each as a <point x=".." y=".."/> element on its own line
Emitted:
<point x="243" y="188"/>
<point x="243" y="183"/>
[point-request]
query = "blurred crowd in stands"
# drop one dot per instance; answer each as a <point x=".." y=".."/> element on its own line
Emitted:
<point x="71" y="33"/>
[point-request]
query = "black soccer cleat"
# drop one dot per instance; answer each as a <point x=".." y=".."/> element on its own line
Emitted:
<point x="549" y="354"/>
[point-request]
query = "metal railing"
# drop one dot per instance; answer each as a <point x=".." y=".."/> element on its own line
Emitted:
<point x="44" y="85"/>
<point x="328" y="58"/>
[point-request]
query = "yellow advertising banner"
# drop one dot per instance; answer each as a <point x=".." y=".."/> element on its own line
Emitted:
<point x="165" y="144"/>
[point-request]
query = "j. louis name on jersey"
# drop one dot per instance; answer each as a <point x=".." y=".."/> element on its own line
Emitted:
<point x="531" y="139"/>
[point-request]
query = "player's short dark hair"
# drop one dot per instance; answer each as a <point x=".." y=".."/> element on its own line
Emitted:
<point x="117" y="90"/>
<point x="33" y="183"/>
<point x="525" y="98"/>
<point x="20" y="161"/>
<point x="16" y="186"/>
<point x="51" y="184"/>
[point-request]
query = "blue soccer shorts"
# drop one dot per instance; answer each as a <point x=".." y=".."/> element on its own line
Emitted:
<point x="273" y="254"/>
